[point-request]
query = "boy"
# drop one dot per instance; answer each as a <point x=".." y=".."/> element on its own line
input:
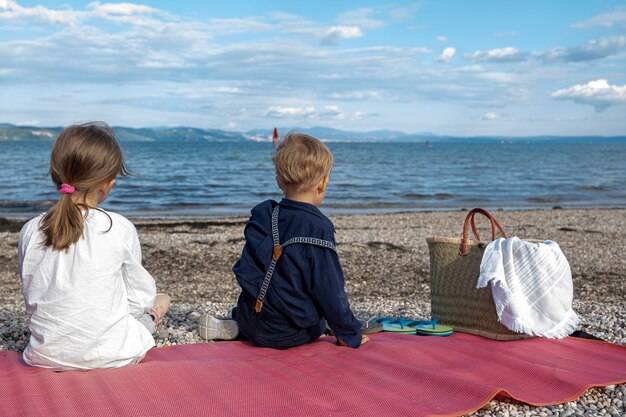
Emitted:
<point x="289" y="272"/>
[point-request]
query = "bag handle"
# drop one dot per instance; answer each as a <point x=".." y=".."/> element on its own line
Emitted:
<point x="469" y="219"/>
<point x="492" y="220"/>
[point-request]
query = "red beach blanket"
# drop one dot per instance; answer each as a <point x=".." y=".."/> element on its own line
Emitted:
<point x="393" y="375"/>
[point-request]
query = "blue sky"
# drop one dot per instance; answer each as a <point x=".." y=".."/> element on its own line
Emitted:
<point x="449" y="67"/>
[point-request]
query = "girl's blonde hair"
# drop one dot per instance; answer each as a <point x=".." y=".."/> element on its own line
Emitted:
<point x="301" y="160"/>
<point x="83" y="156"/>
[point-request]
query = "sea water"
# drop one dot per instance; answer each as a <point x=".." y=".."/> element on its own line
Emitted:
<point x="179" y="179"/>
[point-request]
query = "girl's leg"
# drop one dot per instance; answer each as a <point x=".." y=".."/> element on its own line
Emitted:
<point x="160" y="307"/>
<point x="153" y="318"/>
<point x="148" y="323"/>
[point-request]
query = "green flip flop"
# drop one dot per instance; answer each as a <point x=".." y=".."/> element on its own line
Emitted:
<point x="369" y="327"/>
<point x="431" y="328"/>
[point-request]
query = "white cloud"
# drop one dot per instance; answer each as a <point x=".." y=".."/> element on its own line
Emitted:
<point x="356" y="95"/>
<point x="331" y="111"/>
<point x="499" y="76"/>
<point x="11" y="10"/>
<point x="391" y="50"/>
<point x="162" y="60"/>
<point x="447" y="54"/>
<point x="279" y="111"/>
<point x="363" y="17"/>
<point x="592" y="50"/>
<point x="325" y="34"/>
<point x="442" y="38"/>
<point x="241" y="25"/>
<point x="404" y="13"/>
<point x="508" y="54"/>
<point x="379" y="16"/>
<point x="223" y="90"/>
<point x="615" y="18"/>
<point x="334" y="34"/>
<point x="490" y="115"/>
<point x="521" y="93"/>
<point x="599" y="94"/>
<point x="472" y="68"/>
<point x="121" y="8"/>
<point x="33" y="122"/>
<point x="333" y="76"/>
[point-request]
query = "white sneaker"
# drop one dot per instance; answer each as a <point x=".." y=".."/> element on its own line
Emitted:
<point x="212" y="328"/>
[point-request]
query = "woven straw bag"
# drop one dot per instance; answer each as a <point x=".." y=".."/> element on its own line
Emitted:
<point x="454" y="271"/>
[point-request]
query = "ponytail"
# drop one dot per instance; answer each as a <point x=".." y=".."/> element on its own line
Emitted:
<point x="63" y="223"/>
<point x="83" y="158"/>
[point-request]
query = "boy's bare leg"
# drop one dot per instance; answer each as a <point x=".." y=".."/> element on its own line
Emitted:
<point x="364" y="340"/>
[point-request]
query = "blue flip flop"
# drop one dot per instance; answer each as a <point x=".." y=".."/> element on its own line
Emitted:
<point x="408" y="326"/>
<point x="431" y="328"/>
<point x="397" y="325"/>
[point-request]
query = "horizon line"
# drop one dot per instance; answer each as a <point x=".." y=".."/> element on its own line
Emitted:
<point x="400" y="133"/>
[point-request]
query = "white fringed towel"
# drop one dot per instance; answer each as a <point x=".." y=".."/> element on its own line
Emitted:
<point x="531" y="285"/>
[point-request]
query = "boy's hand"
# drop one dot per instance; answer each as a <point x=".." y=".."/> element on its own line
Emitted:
<point x="364" y="340"/>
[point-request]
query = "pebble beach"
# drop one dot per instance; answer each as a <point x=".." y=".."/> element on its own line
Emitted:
<point x="386" y="264"/>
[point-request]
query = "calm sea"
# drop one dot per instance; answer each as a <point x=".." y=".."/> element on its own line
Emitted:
<point x="222" y="178"/>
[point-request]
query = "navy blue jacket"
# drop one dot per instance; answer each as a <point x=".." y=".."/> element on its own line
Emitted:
<point x="308" y="283"/>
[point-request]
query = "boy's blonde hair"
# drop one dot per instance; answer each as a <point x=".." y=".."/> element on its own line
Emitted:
<point x="301" y="161"/>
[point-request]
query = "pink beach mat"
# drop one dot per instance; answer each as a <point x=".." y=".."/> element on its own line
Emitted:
<point x="393" y="375"/>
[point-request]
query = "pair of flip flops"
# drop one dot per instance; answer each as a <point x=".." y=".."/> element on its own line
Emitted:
<point x="407" y="326"/>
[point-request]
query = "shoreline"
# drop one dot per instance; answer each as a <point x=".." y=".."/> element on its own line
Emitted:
<point x="386" y="264"/>
<point x="330" y="212"/>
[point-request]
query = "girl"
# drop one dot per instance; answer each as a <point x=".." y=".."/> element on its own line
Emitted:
<point x="90" y="303"/>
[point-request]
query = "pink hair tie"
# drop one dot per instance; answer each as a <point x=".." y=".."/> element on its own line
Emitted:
<point x="66" y="189"/>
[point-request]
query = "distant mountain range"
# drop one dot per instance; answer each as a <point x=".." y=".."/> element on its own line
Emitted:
<point x="9" y="132"/>
<point x="128" y="134"/>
